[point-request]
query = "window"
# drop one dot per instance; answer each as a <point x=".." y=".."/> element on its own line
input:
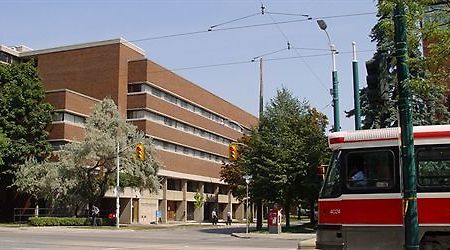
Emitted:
<point x="433" y="165"/>
<point x="56" y="145"/>
<point x="58" y="116"/>
<point x="135" y="114"/>
<point x="134" y="88"/>
<point x="68" y="117"/>
<point x="209" y="188"/>
<point x="157" y="92"/>
<point x="332" y="185"/>
<point x="370" y="169"/>
<point x="223" y="189"/>
<point x="174" y="184"/>
<point x="192" y="186"/>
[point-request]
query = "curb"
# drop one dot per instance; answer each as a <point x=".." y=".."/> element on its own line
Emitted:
<point x="237" y="235"/>
<point x="307" y="244"/>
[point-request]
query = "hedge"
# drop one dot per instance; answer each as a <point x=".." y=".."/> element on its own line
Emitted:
<point x="67" y="221"/>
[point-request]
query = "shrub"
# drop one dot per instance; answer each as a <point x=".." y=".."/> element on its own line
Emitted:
<point x="67" y="221"/>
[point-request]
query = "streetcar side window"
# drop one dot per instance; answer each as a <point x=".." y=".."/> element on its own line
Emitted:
<point x="332" y="185"/>
<point x="372" y="169"/>
<point x="434" y="166"/>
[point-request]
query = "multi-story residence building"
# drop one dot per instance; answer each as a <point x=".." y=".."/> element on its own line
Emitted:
<point x="191" y="127"/>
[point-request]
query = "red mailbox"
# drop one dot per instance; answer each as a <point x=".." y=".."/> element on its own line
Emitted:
<point x="274" y="221"/>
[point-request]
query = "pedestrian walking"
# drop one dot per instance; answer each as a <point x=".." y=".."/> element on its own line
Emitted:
<point x="214" y="217"/>
<point x="94" y="214"/>
<point x="229" y="220"/>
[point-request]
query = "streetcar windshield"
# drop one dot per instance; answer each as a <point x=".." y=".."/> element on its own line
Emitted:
<point x="332" y="183"/>
<point x="434" y="166"/>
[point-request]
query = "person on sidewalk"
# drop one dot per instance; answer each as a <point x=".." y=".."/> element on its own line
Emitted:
<point x="229" y="220"/>
<point x="94" y="213"/>
<point x="214" y="217"/>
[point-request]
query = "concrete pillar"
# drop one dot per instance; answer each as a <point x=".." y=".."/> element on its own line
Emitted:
<point x="163" y="203"/>
<point x="182" y="207"/>
<point x="229" y="207"/>
<point x="199" y="213"/>
<point x="125" y="211"/>
<point x="148" y="204"/>
<point x="240" y="215"/>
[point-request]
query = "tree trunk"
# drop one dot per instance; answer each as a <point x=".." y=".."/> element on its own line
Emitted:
<point x="311" y="212"/>
<point x="259" y="215"/>
<point x="287" y="213"/>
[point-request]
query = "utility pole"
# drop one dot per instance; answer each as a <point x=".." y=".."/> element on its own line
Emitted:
<point x="258" y="202"/>
<point x="334" y="76"/>
<point x="356" y="101"/>
<point x="261" y="90"/>
<point x="407" y="135"/>
<point x="335" y="90"/>
<point x="117" y="185"/>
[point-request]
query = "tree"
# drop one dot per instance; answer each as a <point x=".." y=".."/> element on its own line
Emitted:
<point x="85" y="170"/>
<point x="429" y="73"/>
<point x="24" y="117"/>
<point x="199" y="200"/>
<point x="282" y="154"/>
<point x="4" y="142"/>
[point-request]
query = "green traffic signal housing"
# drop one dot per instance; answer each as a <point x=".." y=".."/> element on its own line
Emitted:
<point x="377" y="78"/>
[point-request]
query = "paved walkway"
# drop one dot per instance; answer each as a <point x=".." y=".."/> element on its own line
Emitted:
<point x="305" y="240"/>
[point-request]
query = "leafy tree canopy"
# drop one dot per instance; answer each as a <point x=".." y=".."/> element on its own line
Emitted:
<point x="282" y="154"/>
<point x="428" y="29"/>
<point x="24" y="117"/>
<point x="83" y="170"/>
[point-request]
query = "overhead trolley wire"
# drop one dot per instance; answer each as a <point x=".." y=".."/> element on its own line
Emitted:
<point x="248" y="26"/>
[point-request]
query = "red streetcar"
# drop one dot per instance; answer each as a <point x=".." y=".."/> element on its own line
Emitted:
<point x="360" y="204"/>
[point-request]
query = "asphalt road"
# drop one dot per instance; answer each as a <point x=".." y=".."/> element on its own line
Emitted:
<point x="165" y="239"/>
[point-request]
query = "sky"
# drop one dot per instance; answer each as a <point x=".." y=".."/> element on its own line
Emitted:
<point x="174" y="34"/>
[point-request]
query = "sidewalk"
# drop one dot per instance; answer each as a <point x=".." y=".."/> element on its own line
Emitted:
<point x="305" y="240"/>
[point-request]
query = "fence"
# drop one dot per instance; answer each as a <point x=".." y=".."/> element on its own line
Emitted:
<point x="21" y="215"/>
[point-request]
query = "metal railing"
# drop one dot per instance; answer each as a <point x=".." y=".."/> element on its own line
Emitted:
<point x="21" y="215"/>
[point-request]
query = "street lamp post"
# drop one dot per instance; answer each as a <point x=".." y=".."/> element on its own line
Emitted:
<point x="117" y="186"/>
<point x="247" y="181"/>
<point x="334" y="76"/>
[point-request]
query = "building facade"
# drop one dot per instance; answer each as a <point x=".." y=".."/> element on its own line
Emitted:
<point x="191" y="127"/>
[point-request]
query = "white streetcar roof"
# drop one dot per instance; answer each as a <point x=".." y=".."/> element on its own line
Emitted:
<point x="423" y="135"/>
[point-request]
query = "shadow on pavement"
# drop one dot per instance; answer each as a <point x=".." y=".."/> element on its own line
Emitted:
<point x="224" y="230"/>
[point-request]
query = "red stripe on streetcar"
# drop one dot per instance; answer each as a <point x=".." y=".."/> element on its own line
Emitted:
<point x="429" y="135"/>
<point x="337" y="140"/>
<point x="342" y="140"/>
<point x="434" y="210"/>
<point x="366" y="211"/>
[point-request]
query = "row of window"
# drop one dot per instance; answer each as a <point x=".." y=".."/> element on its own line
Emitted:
<point x="61" y="116"/>
<point x="167" y="146"/>
<point x="194" y="186"/>
<point x="136" y="114"/>
<point x="56" y="145"/>
<point x="7" y="58"/>
<point x="376" y="170"/>
<point x="142" y="87"/>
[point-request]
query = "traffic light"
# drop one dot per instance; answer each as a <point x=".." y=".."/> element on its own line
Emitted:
<point x="321" y="170"/>
<point x="377" y="78"/>
<point x="233" y="152"/>
<point x="140" y="151"/>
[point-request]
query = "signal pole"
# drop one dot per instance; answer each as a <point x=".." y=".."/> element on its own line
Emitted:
<point x="407" y="136"/>
<point x="357" y="104"/>
<point x="117" y="185"/>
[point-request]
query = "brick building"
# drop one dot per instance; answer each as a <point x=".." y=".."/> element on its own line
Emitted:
<point x="191" y="127"/>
